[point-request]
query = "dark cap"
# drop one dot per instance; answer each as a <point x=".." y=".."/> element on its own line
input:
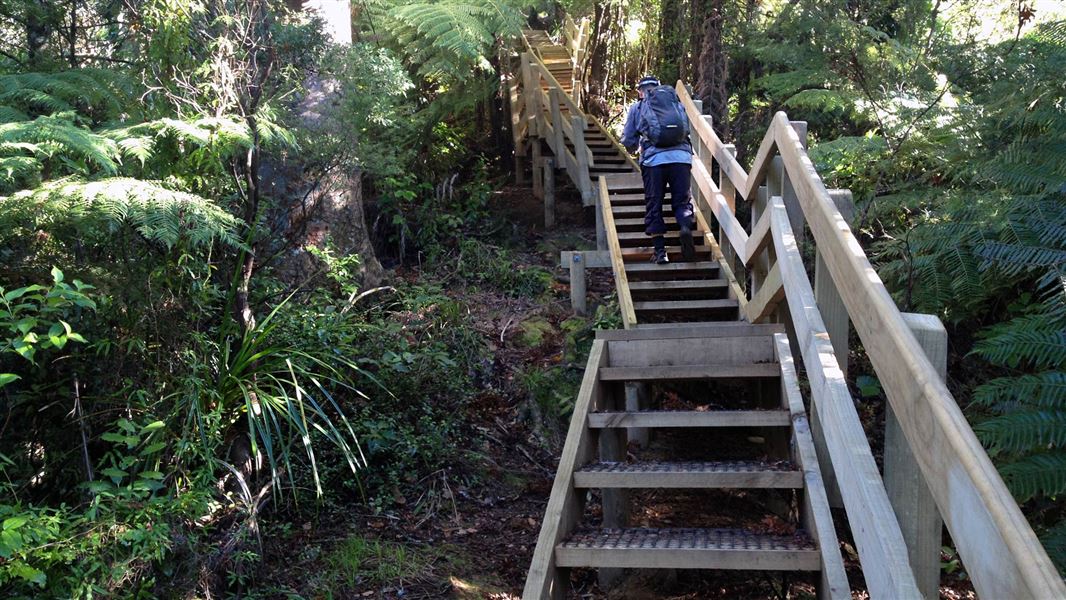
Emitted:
<point x="647" y="80"/>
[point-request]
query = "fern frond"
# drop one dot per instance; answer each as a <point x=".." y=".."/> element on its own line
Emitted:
<point x="1046" y="390"/>
<point x="59" y="136"/>
<point x="159" y="214"/>
<point x="1036" y="474"/>
<point x="103" y="92"/>
<point x="1035" y="340"/>
<point x="1054" y="539"/>
<point x="1022" y="431"/>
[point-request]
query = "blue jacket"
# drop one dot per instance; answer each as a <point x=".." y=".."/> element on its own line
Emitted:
<point x="631" y="136"/>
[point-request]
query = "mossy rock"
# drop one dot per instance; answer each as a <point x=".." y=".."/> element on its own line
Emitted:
<point x="535" y="332"/>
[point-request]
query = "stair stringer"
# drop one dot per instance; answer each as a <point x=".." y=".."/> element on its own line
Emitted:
<point x="815" y="515"/>
<point x="566" y="504"/>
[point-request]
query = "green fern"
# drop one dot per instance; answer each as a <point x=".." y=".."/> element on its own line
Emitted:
<point x="60" y="137"/>
<point x="1047" y="389"/>
<point x="1033" y="341"/>
<point x="1036" y="474"/>
<point x="448" y="38"/>
<point x="1022" y="431"/>
<point x="159" y="214"/>
<point x="1054" y="540"/>
<point x="101" y="93"/>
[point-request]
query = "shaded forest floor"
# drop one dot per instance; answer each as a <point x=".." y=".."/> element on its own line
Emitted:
<point x="472" y="532"/>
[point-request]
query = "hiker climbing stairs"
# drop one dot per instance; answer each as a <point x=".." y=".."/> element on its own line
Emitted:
<point x="694" y="443"/>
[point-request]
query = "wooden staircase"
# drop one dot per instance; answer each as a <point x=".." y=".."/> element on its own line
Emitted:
<point x="764" y="448"/>
<point x="700" y="395"/>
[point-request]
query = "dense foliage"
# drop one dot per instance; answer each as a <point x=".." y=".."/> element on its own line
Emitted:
<point x="167" y="375"/>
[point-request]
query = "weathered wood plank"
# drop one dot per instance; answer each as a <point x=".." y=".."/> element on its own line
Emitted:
<point x="765" y="301"/>
<point x="677" y="418"/>
<point x="687" y="475"/>
<point x="910" y="497"/>
<point x="693" y="330"/>
<point x="679" y="373"/>
<point x="625" y="300"/>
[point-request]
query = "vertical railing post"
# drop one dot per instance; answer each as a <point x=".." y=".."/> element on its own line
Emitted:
<point x="530" y="86"/>
<point x="911" y="499"/>
<point x="581" y="154"/>
<point x="559" y="143"/>
<point x="601" y="230"/>
<point x="729" y="192"/>
<point x="549" y="193"/>
<point x="835" y="317"/>
<point x="578" y="295"/>
<point x="699" y="149"/>
<point x="761" y="264"/>
<point x="788" y="194"/>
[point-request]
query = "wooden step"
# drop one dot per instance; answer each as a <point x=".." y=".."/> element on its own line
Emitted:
<point x="685" y="306"/>
<point x="707" y="269"/>
<point x="691" y="372"/>
<point x="629" y="239"/>
<point x="631" y="224"/>
<point x="628" y="211"/>
<point x="734" y="549"/>
<point x="678" y="289"/>
<point x="690" y="475"/>
<point x="690" y="418"/>
<point x="627" y="196"/>
<point x="644" y="253"/>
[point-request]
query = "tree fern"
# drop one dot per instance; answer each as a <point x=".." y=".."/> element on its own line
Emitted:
<point x="159" y="214"/>
<point x="1054" y="540"/>
<point x="59" y="136"/>
<point x="449" y="37"/>
<point x="1046" y="389"/>
<point x="100" y="93"/>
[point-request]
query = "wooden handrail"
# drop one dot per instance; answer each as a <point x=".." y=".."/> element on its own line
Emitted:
<point x="998" y="546"/>
<point x="731" y="168"/>
<point x="625" y="299"/>
<point x="880" y="543"/>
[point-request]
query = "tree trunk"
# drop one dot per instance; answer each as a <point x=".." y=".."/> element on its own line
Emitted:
<point x="671" y="41"/>
<point x="711" y="85"/>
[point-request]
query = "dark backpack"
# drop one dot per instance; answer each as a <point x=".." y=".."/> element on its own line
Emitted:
<point x="662" y="118"/>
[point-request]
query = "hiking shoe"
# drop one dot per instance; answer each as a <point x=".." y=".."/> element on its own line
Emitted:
<point x="688" y="249"/>
<point x="659" y="257"/>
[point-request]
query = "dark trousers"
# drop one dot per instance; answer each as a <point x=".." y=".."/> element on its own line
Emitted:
<point x="676" y="176"/>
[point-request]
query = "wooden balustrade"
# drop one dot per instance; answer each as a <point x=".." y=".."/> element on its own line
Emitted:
<point x="998" y="547"/>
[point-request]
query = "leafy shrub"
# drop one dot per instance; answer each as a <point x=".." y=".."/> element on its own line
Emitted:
<point x="483" y="264"/>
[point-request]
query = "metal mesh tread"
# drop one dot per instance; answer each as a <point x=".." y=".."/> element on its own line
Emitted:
<point x="684" y="548"/>
<point x="641" y="538"/>
<point x="658" y="466"/>
<point x="690" y="475"/>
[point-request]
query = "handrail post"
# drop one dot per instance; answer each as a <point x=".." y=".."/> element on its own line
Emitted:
<point x="837" y="325"/>
<point x="911" y="499"/>
<point x="601" y="230"/>
<point x="530" y="87"/>
<point x="700" y="150"/>
<point x="581" y="153"/>
<point x="761" y="265"/>
<point x="549" y="193"/>
<point x="788" y="193"/>
<point x="559" y="143"/>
